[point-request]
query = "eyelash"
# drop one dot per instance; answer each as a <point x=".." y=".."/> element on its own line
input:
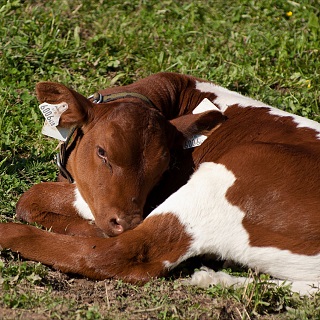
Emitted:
<point x="102" y="155"/>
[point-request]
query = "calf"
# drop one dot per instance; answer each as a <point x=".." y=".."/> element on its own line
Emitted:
<point x="249" y="191"/>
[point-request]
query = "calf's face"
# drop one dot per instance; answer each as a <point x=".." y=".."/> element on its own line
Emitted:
<point x="120" y="157"/>
<point x="122" y="153"/>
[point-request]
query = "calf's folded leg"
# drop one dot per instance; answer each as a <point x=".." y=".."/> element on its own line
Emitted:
<point x="134" y="256"/>
<point x="50" y="204"/>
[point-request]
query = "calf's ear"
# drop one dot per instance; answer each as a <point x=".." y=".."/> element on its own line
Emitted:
<point x="190" y="125"/>
<point x="78" y="106"/>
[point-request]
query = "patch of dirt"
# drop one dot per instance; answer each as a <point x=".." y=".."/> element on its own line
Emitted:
<point x="61" y="296"/>
<point x="117" y="300"/>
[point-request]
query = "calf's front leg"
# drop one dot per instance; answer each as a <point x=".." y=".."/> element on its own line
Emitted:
<point x="135" y="256"/>
<point x="50" y="204"/>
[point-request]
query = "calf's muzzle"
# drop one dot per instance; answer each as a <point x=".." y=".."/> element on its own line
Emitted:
<point x="114" y="224"/>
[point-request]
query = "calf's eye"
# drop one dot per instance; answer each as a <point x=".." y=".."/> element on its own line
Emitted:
<point x="101" y="152"/>
<point x="103" y="155"/>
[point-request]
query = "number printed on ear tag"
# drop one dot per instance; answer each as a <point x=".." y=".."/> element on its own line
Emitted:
<point x="52" y="112"/>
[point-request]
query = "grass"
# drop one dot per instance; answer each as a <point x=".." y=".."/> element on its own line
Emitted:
<point x="268" y="50"/>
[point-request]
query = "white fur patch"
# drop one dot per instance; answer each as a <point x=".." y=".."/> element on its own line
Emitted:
<point x="226" y="98"/>
<point x="216" y="228"/>
<point x="81" y="206"/>
<point x="206" y="277"/>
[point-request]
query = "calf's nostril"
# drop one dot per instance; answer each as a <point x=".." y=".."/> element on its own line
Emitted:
<point x="114" y="221"/>
<point x="116" y="226"/>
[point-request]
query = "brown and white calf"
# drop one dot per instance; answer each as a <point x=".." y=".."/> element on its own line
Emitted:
<point x="249" y="193"/>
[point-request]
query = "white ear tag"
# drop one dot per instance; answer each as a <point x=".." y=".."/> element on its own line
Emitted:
<point x="198" y="139"/>
<point x="194" y="141"/>
<point x="205" y="105"/>
<point x="52" y="114"/>
<point x="55" y="132"/>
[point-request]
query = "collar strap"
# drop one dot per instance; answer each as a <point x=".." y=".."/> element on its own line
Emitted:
<point x="99" y="98"/>
<point x="61" y="156"/>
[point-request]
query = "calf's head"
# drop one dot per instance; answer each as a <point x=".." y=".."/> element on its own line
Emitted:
<point x="122" y="153"/>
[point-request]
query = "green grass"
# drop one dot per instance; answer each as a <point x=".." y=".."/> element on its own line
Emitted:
<point x="254" y="47"/>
